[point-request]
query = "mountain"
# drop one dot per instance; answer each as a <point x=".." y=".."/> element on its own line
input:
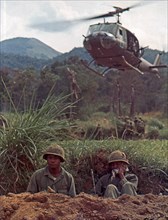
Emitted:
<point x="22" y="62"/>
<point x="80" y="52"/>
<point x="30" y="47"/>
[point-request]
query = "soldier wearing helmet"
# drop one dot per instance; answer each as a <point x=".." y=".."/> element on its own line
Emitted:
<point x="53" y="177"/>
<point x="117" y="181"/>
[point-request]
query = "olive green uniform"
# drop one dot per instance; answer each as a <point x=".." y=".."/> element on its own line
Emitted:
<point x="113" y="186"/>
<point x="42" y="179"/>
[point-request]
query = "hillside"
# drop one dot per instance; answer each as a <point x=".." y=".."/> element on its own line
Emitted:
<point x="80" y="52"/>
<point x="30" y="47"/>
<point x="18" y="62"/>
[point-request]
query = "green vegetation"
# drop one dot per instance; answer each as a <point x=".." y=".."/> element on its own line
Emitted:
<point x="33" y="114"/>
<point x="144" y="155"/>
<point x="23" y="137"/>
<point x="147" y="153"/>
<point x="108" y="95"/>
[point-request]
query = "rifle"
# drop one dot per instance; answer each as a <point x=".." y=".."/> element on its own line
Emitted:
<point x="93" y="181"/>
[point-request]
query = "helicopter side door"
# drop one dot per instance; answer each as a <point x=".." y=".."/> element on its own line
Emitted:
<point x="132" y="43"/>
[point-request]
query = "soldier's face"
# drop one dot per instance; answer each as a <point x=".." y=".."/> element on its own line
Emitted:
<point x="53" y="161"/>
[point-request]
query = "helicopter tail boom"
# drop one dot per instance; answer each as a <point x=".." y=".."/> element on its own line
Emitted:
<point x="146" y="66"/>
<point x="157" y="62"/>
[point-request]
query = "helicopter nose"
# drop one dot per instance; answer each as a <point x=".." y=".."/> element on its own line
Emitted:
<point x="108" y="40"/>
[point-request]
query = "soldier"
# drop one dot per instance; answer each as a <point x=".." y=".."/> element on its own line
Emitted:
<point x="117" y="181"/>
<point x="129" y="128"/>
<point x="139" y="126"/>
<point x="53" y="177"/>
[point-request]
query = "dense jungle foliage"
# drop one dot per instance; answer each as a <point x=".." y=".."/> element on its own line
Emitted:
<point x="115" y="93"/>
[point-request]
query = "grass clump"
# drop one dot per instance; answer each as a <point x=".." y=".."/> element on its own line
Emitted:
<point x="23" y="137"/>
<point x="154" y="122"/>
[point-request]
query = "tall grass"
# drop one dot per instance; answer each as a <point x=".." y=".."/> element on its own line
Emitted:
<point x="150" y="153"/>
<point x="23" y="137"/>
<point x="87" y="155"/>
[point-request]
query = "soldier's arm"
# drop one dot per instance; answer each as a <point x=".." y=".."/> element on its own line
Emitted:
<point x="72" y="189"/>
<point x="99" y="188"/>
<point x="101" y="185"/>
<point x="32" y="186"/>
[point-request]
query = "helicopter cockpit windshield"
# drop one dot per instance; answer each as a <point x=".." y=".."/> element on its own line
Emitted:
<point x="106" y="27"/>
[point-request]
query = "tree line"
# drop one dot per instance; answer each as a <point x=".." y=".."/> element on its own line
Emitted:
<point x="122" y="93"/>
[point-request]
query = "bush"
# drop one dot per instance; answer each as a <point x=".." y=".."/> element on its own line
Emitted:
<point x="154" y="122"/>
<point x="153" y="133"/>
<point x="163" y="134"/>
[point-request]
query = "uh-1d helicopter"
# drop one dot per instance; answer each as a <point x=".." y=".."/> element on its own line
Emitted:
<point x="113" y="46"/>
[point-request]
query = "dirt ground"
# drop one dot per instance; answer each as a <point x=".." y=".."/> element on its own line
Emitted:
<point x="49" y="206"/>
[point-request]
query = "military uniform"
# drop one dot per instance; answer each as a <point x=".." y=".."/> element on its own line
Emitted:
<point x="42" y="179"/>
<point x="112" y="185"/>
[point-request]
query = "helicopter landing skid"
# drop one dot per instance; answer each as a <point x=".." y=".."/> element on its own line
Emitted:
<point x="132" y="67"/>
<point x="97" y="73"/>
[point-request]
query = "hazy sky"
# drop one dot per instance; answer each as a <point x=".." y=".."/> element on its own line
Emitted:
<point x="148" y="22"/>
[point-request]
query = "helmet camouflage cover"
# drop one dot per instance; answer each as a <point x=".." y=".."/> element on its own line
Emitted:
<point x="117" y="156"/>
<point x="54" y="149"/>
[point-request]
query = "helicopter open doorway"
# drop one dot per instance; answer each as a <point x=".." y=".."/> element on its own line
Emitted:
<point x="133" y="44"/>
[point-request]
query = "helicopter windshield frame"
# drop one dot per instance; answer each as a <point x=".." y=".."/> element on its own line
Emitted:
<point x="105" y="27"/>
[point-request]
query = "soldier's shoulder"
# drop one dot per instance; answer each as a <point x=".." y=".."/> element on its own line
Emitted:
<point x="105" y="177"/>
<point x="40" y="171"/>
<point x="66" y="173"/>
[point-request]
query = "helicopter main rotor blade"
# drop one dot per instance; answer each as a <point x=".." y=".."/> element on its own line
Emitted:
<point x="58" y="26"/>
<point x="55" y="26"/>
<point x="109" y="14"/>
<point x="61" y="25"/>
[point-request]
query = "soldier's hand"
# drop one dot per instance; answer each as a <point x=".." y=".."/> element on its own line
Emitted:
<point x="121" y="171"/>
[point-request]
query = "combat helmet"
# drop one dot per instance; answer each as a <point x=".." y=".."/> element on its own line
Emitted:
<point x="54" y="149"/>
<point x="117" y="156"/>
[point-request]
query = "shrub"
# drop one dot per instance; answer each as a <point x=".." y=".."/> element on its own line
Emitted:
<point x="154" y="122"/>
<point x="153" y="133"/>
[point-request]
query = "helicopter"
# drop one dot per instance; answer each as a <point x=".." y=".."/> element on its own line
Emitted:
<point x="115" y="47"/>
<point x="112" y="46"/>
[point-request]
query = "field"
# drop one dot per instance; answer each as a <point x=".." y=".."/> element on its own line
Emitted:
<point x="25" y="136"/>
